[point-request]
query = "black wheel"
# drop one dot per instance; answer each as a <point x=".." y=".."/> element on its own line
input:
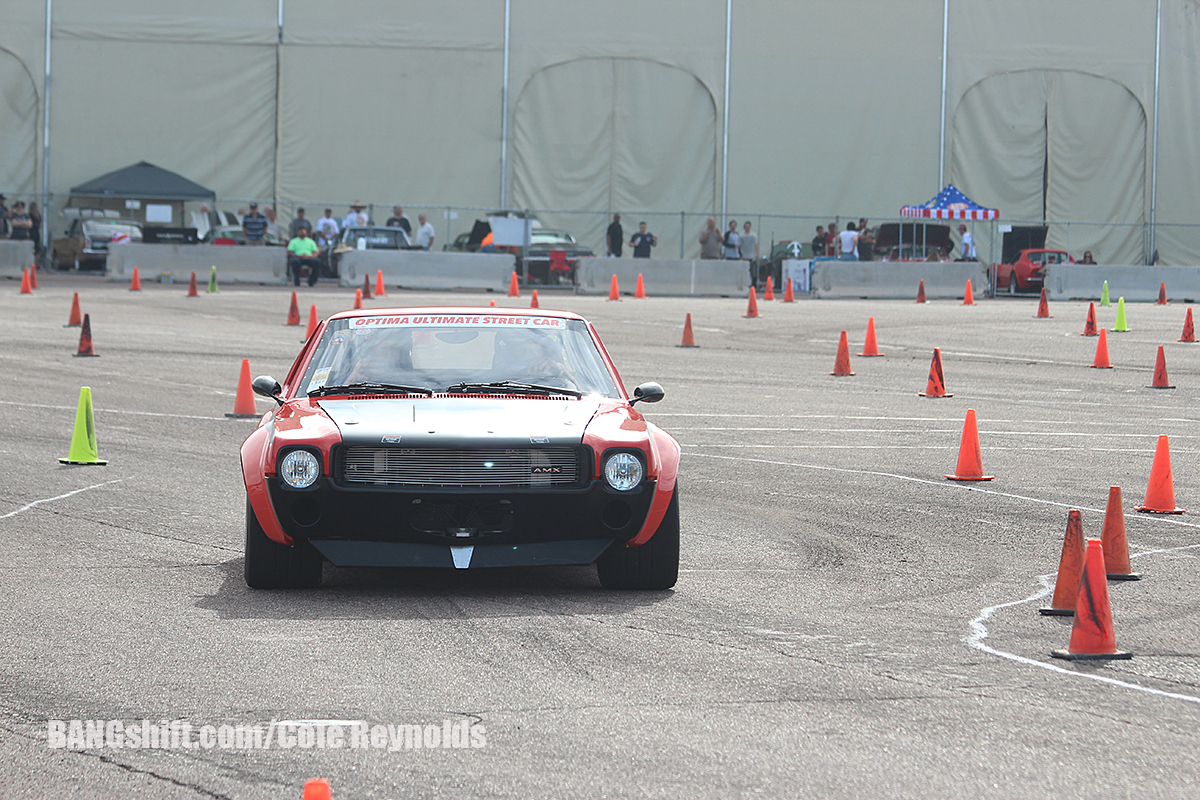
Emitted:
<point x="1013" y="286"/>
<point x="270" y="565"/>
<point x="654" y="565"/>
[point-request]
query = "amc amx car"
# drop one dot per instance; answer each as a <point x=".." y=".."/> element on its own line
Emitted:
<point x="460" y="438"/>
<point x="1028" y="273"/>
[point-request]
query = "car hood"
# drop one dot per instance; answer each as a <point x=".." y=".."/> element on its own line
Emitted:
<point x="462" y="421"/>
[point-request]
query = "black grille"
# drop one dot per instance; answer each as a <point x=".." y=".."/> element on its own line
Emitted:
<point x="493" y="466"/>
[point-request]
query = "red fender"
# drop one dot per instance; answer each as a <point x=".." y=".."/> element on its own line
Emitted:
<point x="254" y="458"/>
<point x="665" y="452"/>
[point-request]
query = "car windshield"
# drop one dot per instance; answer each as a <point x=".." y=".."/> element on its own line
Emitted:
<point x="438" y="351"/>
<point x="377" y="238"/>
<point x="544" y="237"/>
<point x="105" y="230"/>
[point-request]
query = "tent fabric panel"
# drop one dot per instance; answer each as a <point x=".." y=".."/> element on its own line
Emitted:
<point x="458" y="25"/>
<point x="18" y="127"/>
<point x="240" y="22"/>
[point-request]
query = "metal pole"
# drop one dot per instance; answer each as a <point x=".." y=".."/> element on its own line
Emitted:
<point x="1154" y="157"/>
<point x="945" y="46"/>
<point x="725" y="115"/>
<point x="45" y="232"/>
<point x="504" y="108"/>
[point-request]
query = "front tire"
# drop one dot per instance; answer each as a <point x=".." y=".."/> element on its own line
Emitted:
<point x="654" y="565"/>
<point x="270" y="565"/>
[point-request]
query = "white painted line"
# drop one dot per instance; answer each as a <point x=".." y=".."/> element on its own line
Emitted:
<point x="108" y="411"/>
<point x="59" y="497"/>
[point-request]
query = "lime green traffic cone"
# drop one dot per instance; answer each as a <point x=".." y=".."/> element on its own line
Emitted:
<point x="1104" y="301"/>
<point x="212" y="280"/>
<point x="1121" y="326"/>
<point x="83" y="440"/>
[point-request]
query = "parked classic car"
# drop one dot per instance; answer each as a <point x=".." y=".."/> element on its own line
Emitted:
<point x="459" y="438"/>
<point x="1028" y="272"/>
<point x="374" y="237"/>
<point x="85" y="244"/>
<point x="234" y="234"/>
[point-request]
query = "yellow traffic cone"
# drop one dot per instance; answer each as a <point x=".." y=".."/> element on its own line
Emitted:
<point x="83" y="440"/>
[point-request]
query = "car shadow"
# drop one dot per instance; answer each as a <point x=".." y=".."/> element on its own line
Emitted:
<point x="411" y="594"/>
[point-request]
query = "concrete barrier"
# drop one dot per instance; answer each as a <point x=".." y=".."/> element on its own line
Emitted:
<point x="664" y="277"/>
<point x="15" y="257"/>
<point x="242" y="264"/>
<point x="897" y="279"/>
<point x="420" y="269"/>
<point x="1134" y="283"/>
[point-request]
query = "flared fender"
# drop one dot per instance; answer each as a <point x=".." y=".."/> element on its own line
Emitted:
<point x="665" y="451"/>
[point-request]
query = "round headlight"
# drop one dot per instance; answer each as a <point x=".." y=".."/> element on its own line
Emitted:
<point x="299" y="469"/>
<point x="623" y="471"/>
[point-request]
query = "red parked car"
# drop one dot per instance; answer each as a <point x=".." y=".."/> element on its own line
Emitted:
<point x="1028" y="273"/>
<point x="459" y="438"/>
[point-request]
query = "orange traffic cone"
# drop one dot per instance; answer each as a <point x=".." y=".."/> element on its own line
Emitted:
<point x="788" y="295"/>
<point x="1089" y="327"/>
<point x="921" y="292"/>
<point x="640" y="292"/>
<point x="33" y="276"/>
<point x="1101" y="361"/>
<point x="317" y="789"/>
<point x="1189" y="331"/>
<point x="1160" y="491"/>
<point x="769" y="294"/>
<point x="85" y="338"/>
<point x="752" y="306"/>
<point x="192" y="287"/>
<point x="936" y="387"/>
<point x="513" y="289"/>
<point x="1162" y="294"/>
<point x="614" y="293"/>
<point x="312" y="323"/>
<point x="293" y="317"/>
<point x="688" y="339"/>
<point x="1116" y="547"/>
<point x="1043" y="311"/>
<point x="1092" y="634"/>
<point x="380" y="291"/>
<point x="1070" y="570"/>
<point x="970" y="459"/>
<point x="841" y="364"/>
<point x="1160" y="372"/>
<point x="968" y="295"/>
<point x="358" y="298"/>
<point x="26" y="288"/>
<point x="366" y="290"/>
<point x="533" y="303"/>
<point x="74" y="321"/>
<point x="492" y="304"/>
<point x="243" y="404"/>
<point x="870" y="346"/>
<point x="135" y="285"/>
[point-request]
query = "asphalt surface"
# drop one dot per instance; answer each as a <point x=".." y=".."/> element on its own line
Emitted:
<point x="847" y="622"/>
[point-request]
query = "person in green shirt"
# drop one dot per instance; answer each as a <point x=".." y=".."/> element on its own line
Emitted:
<point x="302" y="252"/>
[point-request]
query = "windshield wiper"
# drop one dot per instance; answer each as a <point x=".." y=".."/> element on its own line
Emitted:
<point x="510" y="387"/>
<point x="370" y="387"/>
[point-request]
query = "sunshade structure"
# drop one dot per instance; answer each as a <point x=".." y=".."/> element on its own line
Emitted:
<point x="143" y="181"/>
<point x="950" y="203"/>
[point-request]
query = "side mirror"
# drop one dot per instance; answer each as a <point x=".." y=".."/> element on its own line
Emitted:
<point x="267" y="386"/>
<point x="648" y="392"/>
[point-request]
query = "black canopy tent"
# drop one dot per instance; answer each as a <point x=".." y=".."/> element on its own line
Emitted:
<point x="142" y="182"/>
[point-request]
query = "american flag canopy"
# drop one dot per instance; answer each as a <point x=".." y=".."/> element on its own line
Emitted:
<point x="950" y="203"/>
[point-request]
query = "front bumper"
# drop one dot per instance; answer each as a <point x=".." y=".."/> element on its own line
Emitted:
<point x="419" y="527"/>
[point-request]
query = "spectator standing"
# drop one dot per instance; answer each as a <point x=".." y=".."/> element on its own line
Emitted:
<point x="968" y="244"/>
<point x="357" y="218"/>
<point x="1087" y="258"/>
<point x="400" y="220"/>
<point x="3" y="218"/>
<point x="710" y="240"/>
<point x="327" y="229"/>
<point x="642" y="241"/>
<point x="254" y="225"/>
<point x="866" y="242"/>
<point x="35" y="216"/>
<point x="831" y="240"/>
<point x="18" y="220"/>
<point x="297" y="224"/>
<point x="614" y="237"/>
<point x="847" y="243"/>
<point x="731" y="241"/>
<point x="818" y="242"/>
<point x="302" y="252"/>
<point x="424" y="233"/>
<point x="748" y="245"/>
